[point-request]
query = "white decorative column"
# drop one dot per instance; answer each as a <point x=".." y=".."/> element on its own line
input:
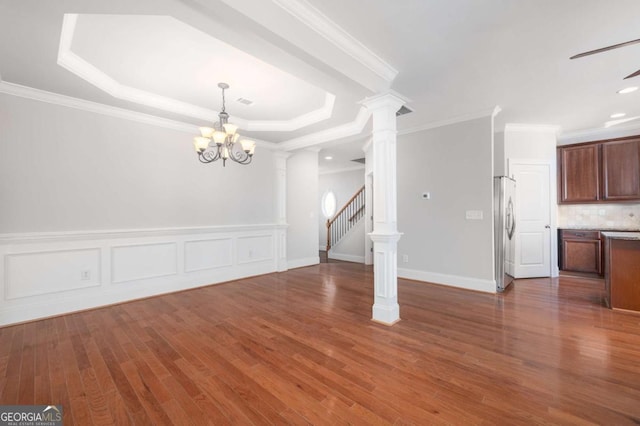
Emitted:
<point x="385" y="233"/>
<point x="280" y="158"/>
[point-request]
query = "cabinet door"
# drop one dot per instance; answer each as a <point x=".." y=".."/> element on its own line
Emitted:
<point x="621" y="170"/>
<point x="582" y="256"/>
<point x="579" y="174"/>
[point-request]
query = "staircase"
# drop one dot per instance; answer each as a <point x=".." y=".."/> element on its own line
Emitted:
<point x="345" y="219"/>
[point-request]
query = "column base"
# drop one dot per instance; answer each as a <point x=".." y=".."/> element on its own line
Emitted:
<point x="387" y="315"/>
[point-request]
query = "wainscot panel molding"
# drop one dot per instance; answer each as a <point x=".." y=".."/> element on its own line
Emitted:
<point x="46" y="274"/>
<point x="477" y="284"/>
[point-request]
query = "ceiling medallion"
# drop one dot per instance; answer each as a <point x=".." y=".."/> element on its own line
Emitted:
<point x="222" y="140"/>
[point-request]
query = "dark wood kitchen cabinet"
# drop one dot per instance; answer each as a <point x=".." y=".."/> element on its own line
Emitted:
<point x="581" y="251"/>
<point x="621" y="170"/>
<point x="579" y="170"/>
<point x="599" y="172"/>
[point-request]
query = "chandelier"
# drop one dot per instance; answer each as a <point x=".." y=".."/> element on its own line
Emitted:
<point x="222" y="140"/>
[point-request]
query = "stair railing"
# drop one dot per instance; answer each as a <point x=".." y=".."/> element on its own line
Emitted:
<point x="346" y="218"/>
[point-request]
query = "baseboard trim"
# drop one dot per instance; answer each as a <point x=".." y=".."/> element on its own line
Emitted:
<point x="477" y="284"/>
<point x="301" y="263"/>
<point x="346" y="257"/>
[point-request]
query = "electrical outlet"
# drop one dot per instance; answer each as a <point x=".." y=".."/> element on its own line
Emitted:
<point x="405" y="258"/>
<point x="85" y="275"/>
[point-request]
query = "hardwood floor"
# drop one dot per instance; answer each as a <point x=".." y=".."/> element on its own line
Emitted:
<point x="299" y="348"/>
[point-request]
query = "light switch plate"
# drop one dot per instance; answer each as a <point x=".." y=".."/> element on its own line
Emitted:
<point x="474" y="215"/>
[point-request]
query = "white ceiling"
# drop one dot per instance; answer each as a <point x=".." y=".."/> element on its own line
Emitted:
<point x="307" y="63"/>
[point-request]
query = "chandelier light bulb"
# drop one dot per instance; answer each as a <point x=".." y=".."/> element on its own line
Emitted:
<point x="230" y="128"/>
<point x="201" y="143"/>
<point x="219" y="137"/>
<point x="207" y="132"/>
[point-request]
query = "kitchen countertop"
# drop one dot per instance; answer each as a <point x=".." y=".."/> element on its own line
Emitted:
<point x="622" y="235"/>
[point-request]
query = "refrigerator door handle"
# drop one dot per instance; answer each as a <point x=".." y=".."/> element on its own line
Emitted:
<point x="510" y="223"/>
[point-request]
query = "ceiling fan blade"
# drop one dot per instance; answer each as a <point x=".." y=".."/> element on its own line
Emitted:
<point x="635" y="74"/>
<point x="604" y="49"/>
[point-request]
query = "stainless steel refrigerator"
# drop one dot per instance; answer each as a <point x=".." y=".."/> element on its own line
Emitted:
<point x="504" y="197"/>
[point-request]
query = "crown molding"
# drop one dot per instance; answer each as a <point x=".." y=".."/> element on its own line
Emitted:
<point x="587" y="135"/>
<point x="296" y="123"/>
<point x="332" y="32"/>
<point x="108" y="110"/>
<point x="338" y="132"/>
<point x="453" y="120"/>
<point x="93" y="75"/>
<point x="89" y="106"/>
<point x="535" y="128"/>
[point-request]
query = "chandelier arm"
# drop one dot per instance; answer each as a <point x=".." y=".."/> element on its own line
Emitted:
<point x="240" y="157"/>
<point x="207" y="157"/>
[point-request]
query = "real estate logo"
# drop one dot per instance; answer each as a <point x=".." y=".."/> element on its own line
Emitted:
<point x="30" y="415"/>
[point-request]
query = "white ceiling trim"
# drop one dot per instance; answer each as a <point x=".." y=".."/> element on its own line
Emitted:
<point x="299" y="122"/>
<point x="345" y="130"/>
<point x="83" y="69"/>
<point x="597" y="133"/>
<point x="458" y="119"/>
<point x="320" y="23"/>
<point x="98" y="108"/>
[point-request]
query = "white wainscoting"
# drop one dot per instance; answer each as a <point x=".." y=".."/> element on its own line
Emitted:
<point x="45" y="274"/>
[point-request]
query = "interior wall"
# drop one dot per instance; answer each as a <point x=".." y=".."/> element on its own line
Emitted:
<point x="302" y="209"/>
<point x="98" y="210"/>
<point x="455" y="165"/>
<point x="64" y="169"/>
<point x="343" y="185"/>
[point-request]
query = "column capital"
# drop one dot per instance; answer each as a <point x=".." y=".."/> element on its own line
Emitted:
<point x="387" y="99"/>
<point x="385" y="237"/>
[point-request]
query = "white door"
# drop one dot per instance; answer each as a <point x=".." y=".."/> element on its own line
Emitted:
<point x="533" y="215"/>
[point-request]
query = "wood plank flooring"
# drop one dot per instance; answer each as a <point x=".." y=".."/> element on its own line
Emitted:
<point x="299" y="348"/>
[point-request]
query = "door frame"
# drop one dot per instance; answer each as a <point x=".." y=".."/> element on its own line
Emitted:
<point x="553" y="204"/>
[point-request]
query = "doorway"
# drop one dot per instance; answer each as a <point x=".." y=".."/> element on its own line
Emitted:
<point x="533" y="243"/>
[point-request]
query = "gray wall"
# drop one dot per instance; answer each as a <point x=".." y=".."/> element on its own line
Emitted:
<point x="454" y="164"/>
<point x="63" y="169"/>
<point x="302" y="209"/>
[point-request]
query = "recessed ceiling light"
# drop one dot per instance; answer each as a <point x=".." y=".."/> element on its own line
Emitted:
<point x="618" y="115"/>
<point x="627" y="90"/>
<point x="328" y="157"/>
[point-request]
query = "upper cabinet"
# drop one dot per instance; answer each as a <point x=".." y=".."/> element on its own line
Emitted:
<point x="579" y="171"/>
<point x="599" y="172"/>
<point x="621" y="170"/>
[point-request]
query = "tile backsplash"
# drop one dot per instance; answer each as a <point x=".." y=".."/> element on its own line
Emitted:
<point x="599" y="216"/>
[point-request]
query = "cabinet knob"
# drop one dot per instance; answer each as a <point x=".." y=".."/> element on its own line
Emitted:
<point x="548" y="226"/>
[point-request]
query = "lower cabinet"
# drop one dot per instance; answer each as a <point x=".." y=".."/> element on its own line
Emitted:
<point x="581" y="251"/>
